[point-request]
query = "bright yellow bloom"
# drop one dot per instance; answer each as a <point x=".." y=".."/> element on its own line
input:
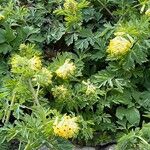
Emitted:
<point x="66" y="70"/>
<point x="67" y="127"/>
<point x="118" y="46"/>
<point x="60" y="89"/>
<point x="2" y="17"/>
<point x="148" y="12"/>
<point x="35" y="63"/>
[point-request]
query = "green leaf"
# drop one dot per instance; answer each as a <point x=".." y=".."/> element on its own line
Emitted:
<point x="82" y="44"/>
<point x="56" y="33"/>
<point x="2" y="37"/>
<point x="30" y="30"/>
<point x="10" y="34"/>
<point x="35" y="38"/>
<point x="64" y="145"/>
<point x="103" y="77"/>
<point x="71" y="38"/>
<point x="5" y="48"/>
<point x="120" y="112"/>
<point x="133" y="116"/>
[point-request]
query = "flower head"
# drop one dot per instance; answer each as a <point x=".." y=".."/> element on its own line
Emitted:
<point x="66" y="127"/>
<point x="43" y="77"/>
<point x="66" y="70"/>
<point x="70" y="5"/>
<point x="23" y="65"/>
<point x="148" y="12"/>
<point x="35" y="63"/>
<point x="90" y="88"/>
<point x="118" y="46"/>
<point x="60" y="89"/>
<point x="19" y="64"/>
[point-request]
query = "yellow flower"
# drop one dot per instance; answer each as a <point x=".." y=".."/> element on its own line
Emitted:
<point x="148" y="12"/>
<point x="67" y="127"/>
<point x="60" y="89"/>
<point x="118" y="46"/>
<point x="35" y="63"/>
<point x="90" y="88"/>
<point x="2" y="17"/>
<point x="65" y="70"/>
<point x="70" y="5"/>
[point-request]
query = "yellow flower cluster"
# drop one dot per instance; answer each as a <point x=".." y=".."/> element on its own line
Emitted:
<point x="23" y="64"/>
<point x="2" y="17"/>
<point x="29" y="50"/>
<point x="90" y="88"/>
<point x="60" y="92"/>
<point x="67" y="127"/>
<point x="43" y="77"/>
<point x="66" y="70"/>
<point x="148" y="12"/>
<point x="35" y="63"/>
<point x="70" y="5"/>
<point x="18" y="64"/>
<point x="118" y="46"/>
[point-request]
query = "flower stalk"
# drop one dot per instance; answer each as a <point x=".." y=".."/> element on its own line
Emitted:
<point x="8" y="112"/>
<point x="35" y="94"/>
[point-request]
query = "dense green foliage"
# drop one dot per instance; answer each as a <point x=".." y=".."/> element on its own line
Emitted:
<point x="88" y="59"/>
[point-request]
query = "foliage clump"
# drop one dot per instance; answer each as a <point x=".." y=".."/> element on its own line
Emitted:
<point x="74" y="72"/>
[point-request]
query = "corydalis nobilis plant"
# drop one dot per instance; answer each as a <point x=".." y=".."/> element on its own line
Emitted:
<point x="94" y="52"/>
<point x="26" y="90"/>
<point x="72" y="10"/>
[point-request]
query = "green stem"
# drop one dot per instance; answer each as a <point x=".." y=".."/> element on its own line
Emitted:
<point x="35" y="94"/>
<point x="11" y="105"/>
<point x="20" y="146"/>
<point x="106" y="8"/>
<point x="38" y="88"/>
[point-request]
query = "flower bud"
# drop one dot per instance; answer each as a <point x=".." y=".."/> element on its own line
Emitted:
<point x="60" y="89"/>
